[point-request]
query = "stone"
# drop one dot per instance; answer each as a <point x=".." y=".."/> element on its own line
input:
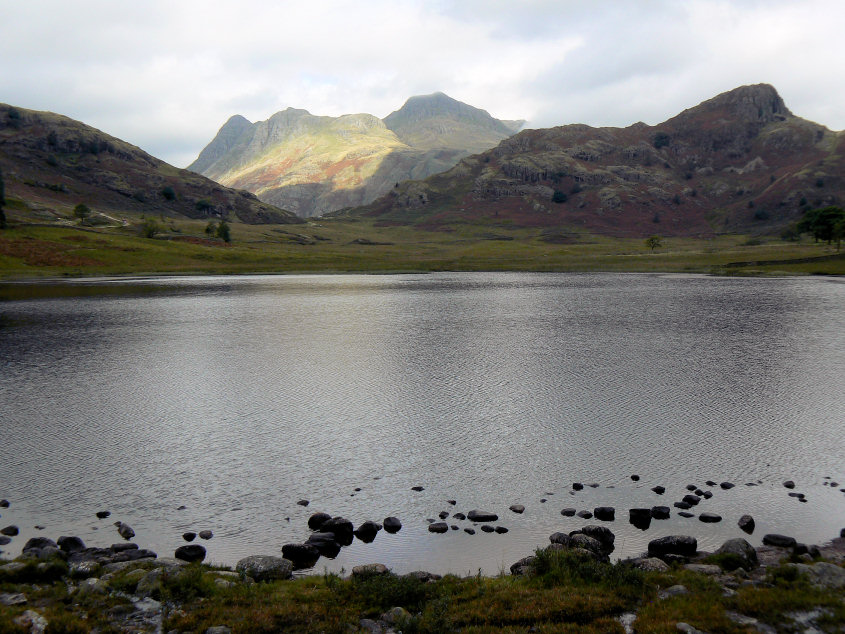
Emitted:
<point x="301" y="555"/>
<point x="683" y="545"/>
<point x="218" y="629"/>
<point x="83" y="569"/>
<point x="316" y="521"/>
<point x="780" y="541"/>
<point x="577" y="486"/>
<point x="124" y="530"/>
<point x="481" y="516"/>
<point x="584" y="515"/>
<point x="692" y="500"/>
<point x="392" y="525"/>
<point x="367" y="531"/>
<point x="369" y="570"/>
<point x="264" y="567"/>
<point x="14" y="598"/>
<point x="789" y="484"/>
<point x="501" y="530"/>
<point x="742" y="549"/>
<point x="726" y="485"/>
<point x="660" y="512"/>
<point x="569" y="512"/>
<point x="672" y="591"/>
<point x="517" y="508"/>
<point x="439" y="527"/>
<point x="189" y="536"/>
<point x="325" y="543"/>
<point x="704" y="569"/>
<point x="5" y="540"/>
<point x="469" y="531"/>
<point x="686" y="628"/>
<point x="4" y="504"/>
<point x="422" y="575"/>
<point x="103" y="514"/>
<point x="746" y="523"/>
<point x="459" y="516"/>
<point x="451" y="502"/>
<point x="32" y="622"/>
<point x="523" y="566"/>
<point x="206" y="534"/>
<point x="580" y="540"/>
<point x="560" y="538"/>
<point x="70" y="544"/>
<point x="601" y="534"/>
<point x="342" y="529"/>
<point x="593" y="485"/>
<point x="700" y="493"/>
<point x="38" y="543"/>
<point x="10" y="531"/>
<point x="635" y="477"/>
<point x="604" y="513"/>
<point x="486" y="528"/>
<point x="682" y="505"/>
<point x="691" y="487"/>
<point x="190" y="553"/>
<point x="418" y="488"/>
<point x="823" y="574"/>
<point x="395" y="616"/>
<point x="304" y="502"/>
<point x="443" y="515"/>
<point x="709" y="518"/>
<point x="650" y="564"/>
<point x="659" y="490"/>
<point x="706" y="494"/>
<point x="685" y="514"/>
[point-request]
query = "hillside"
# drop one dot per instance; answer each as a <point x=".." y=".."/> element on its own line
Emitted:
<point x="52" y="163"/>
<point x="313" y="164"/>
<point x="739" y="162"/>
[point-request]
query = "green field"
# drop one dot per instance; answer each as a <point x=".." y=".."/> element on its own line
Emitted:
<point x="64" y="248"/>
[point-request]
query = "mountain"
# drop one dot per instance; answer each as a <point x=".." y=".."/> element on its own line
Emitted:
<point x="314" y="164"/>
<point x="52" y="163"/>
<point x="740" y="161"/>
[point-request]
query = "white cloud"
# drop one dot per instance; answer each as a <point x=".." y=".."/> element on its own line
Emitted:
<point x="166" y="75"/>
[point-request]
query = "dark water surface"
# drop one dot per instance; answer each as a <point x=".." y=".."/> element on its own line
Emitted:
<point x="236" y="397"/>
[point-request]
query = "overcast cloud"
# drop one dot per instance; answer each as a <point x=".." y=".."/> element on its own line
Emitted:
<point x="166" y="74"/>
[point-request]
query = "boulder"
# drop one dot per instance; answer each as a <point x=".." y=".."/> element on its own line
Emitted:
<point x="709" y="518"/>
<point x="325" y="543"/>
<point x="691" y="487"/>
<point x="124" y="530"/>
<point x="70" y="544"/>
<point x="265" y="567"/>
<point x="501" y="530"/>
<point x="443" y="515"/>
<point x="316" y="521"/>
<point x="206" y="534"/>
<point x="38" y="543"/>
<point x="486" y="528"/>
<point x="659" y="490"/>
<point x="301" y="555"/>
<point x="650" y="564"/>
<point x="601" y="534"/>
<point x="577" y="486"/>
<point x="438" y="527"/>
<point x="517" y="508"/>
<point x="682" y="505"/>
<point x="604" y="513"/>
<point x="103" y="514"/>
<point x="591" y="544"/>
<point x="571" y="512"/>
<point x="780" y="541"/>
<point x="692" y="500"/>
<point x="481" y="516"/>
<point x="190" y="553"/>
<point x="789" y="484"/>
<point x="189" y="536"/>
<point x="726" y="485"/>
<point x="369" y="570"/>
<point x="342" y="529"/>
<point x="660" y="512"/>
<point x="417" y="489"/>
<point x="367" y="531"/>
<point x="523" y="566"/>
<point x="584" y="515"/>
<point x="459" y="516"/>
<point x="9" y="531"/>
<point x="685" y="514"/>
<point x="635" y="477"/>
<point x="392" y="525"/>
<point x="5" y="540"/>
<point x="422" y="575"/>
<point x="741" y="549"/>
<point x="706" y="494"/>
<point x="560" y="538"/>
<point x="683" y="545"/>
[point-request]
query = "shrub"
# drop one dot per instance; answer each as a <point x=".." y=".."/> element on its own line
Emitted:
<point x="211" y="228"/>
<point x="223" y="231"/>
<point x="149" y="228"/>
<point x="661" y="139"/>
<point x="82" y="212"/>
<point x="559" y="197"/>
<point x="761" y="214"/>
<point x="204" y="204"/>
<point x="168" y="193"/>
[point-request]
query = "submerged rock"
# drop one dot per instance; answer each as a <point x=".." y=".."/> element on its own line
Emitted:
<point x="568" y="512"/>
<point x="316" y="521"/>
<point x="710" y="518"/>
<point x="206" y="534"/>
<point x="517" y="508"/>
<point x="660" y="512"/>
<point x="438" y="527"/>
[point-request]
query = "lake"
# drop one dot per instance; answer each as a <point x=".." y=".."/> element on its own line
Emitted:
<point x="236" y="397"/>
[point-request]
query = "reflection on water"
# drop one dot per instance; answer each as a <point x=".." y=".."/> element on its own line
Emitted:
<point x="236" y="397"/>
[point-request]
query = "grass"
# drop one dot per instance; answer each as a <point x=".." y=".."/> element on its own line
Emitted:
<point x="32" y="251"/>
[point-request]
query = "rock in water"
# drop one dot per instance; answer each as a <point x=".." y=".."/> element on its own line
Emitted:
<point x="70" y="544"/>
<point x="742" y="549"/>
<point x="206" y="534"/>
<point x="683" y="545"/>
<point x="301" y="555"/>
<point x="392" y="524"/>
<point x="124" y="530"/>
<point x="481" y="516"/>
<point x="103" y="514"/>
<point x="190" y="553"/>
<point x="746" y="523"/>
<point x="316" y="521"/>
<point x="781" y="541"/>
<point x="710" y="518"/>
<point x="517" y="508"/>
<point x="438" y="527"/>
<point x="367" y="531"/>
<point x="604" y="513"/>
<point x="189" y="536"/>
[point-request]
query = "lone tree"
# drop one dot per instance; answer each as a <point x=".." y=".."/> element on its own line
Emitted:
<point x="82" y="212"/>
<point x="2" y="201"/>
<point x="149" y="228"/>
<point x="822" y="223"/>
<point x="223" y="231"/>
<point x="654" y="242"/>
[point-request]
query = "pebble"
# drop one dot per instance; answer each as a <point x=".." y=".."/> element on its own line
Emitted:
<point x="417" y="488"/>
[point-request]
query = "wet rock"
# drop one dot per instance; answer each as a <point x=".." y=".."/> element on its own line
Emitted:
<point x="206" y="534"/>
<point x="487" y="528"/>
<point x="392" y="524"/>
<point x="635" y="477"/>
<point x="103" y="514"/>
<point x="316" y="521"/>
<point x="301" y="555"/>
<point x="517" y="508"/>
<point x="683" y="545"/>
<point x="265" y="567"/>
<point x="459" y="516"/>
<point x="418" y="488"/>
<point x="4" y="504"/>
<point x="568" y="512"/>
<point x="181" y="507"/>
<point x="481" y="516"/>
<point x="523" y="566"/>
<point x="543" y="500"/>
<point x="691" y="487"/>
<point x="443" y="515"/>
<point x="741" y="549"/>
<point x="584" y="515"/>
<point x="602" y="535"/>
<point x="38" y="543"/>
<point x="686" y="514"/>
<point x="780" y="541"/>
<point x="789" y="484"/>
<point x="304" y="502"/>
<point x="560" y="538"/>
<point x="660" y="512"/>
<point x="367" y="531"/>
<point x="189" y="536"/>
<point x="190" y="553"/>
<point x="649" y="564"/>
<point x="370" y="570"/>
<point x="580" y="540"/>
<point x="342" y="529"/>
<point x="439" y="527"/>
<point x="451" y="502"/>
<point x="699" y="493"/>
<point x="9" y="531"/>
<point x="692" y="500"/>
<point x="709" y="518"/>
<point x="469" y="531"/>
<point x="124" y="530"/>
<point x="682" y="505"/>
<point x="455" y="527"/>
<point x="325" y="543"/>
<point x="725" y="485"/>
<point x="604" y="513"/>
<point x="5" y="540"/>
<point x="499" y="529"/>
<point x="70" y="544"/>
<point x="706" y="494"/>
<point x="577" y="486"/>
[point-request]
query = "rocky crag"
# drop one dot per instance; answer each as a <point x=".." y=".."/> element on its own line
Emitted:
<point x="314" y="164"/>
<point x="739" y="162"/>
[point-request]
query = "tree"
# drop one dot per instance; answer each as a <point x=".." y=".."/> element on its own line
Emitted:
<point x="223" y="231"/>
<point x="654" y="242"/>
<point x="168" y="193"/>
<point x="2" y="201"/>
<point x="81" y="211"/>
<point x="211" y="228"/>
<point x="149" y="228"/>
<point x="822" y="223"/>
<point x="559" y="197"/>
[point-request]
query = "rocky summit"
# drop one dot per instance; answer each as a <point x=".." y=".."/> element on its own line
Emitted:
<point x="739" y="162"/>
<point x="314" y="164"/>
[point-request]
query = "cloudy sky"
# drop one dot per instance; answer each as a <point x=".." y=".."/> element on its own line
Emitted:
<point x="166" y="74"/>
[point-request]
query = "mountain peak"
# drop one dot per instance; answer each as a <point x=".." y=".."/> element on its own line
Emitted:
<point x="758" y="103"/>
